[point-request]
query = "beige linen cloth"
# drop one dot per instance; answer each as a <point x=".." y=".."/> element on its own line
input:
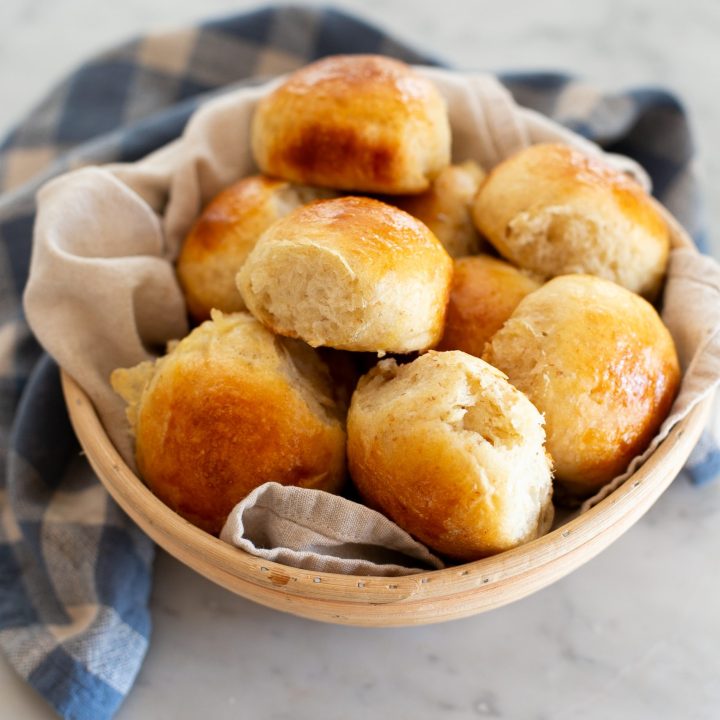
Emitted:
<point x="102" y="294"/>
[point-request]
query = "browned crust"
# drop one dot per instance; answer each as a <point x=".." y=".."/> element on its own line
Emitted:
<point x="207" y="436"/>
<point x="484" y="293"/>
<point x="223" y="235"/>
<point x="353" y="122"/>
<point x="604" y="374"/>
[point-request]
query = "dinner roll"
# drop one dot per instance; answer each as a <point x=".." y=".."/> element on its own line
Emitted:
<point x="351" y="273"/>
<point x="445" y="207"/>
<point x="598" y="362"/>
<point x="354" y="122"/>
<point x="229" y="408"/>
<point x="553" y="210"/>
<point x="224" y="234"/>
<point x="483" y="295"/>
<point x="451" y="452"/>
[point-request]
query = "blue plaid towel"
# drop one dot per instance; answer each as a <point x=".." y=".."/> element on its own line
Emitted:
<point x="74" y="571"/>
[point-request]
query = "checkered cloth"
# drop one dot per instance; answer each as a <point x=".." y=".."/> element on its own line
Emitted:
<point x="74" y="571"/>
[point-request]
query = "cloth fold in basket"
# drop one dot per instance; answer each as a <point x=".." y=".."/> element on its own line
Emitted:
<point x="74" y="571"/>
<point x="316" y="530"/>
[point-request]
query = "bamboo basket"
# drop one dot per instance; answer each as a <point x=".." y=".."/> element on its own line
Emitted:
<point x="423" y="598"/>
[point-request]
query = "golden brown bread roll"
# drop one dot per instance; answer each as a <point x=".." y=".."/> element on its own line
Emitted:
<point x="449" y="450"/>
<point x="230" y="408"/>
<point x="351" y="273"/>
<point x="483" y="295"/>
<point x="224" y="234"/>
<point x="446" y="207"/>
<point x="354" y="122"/>
<point x="553" y="210"/>
<point x="598" y="362"/>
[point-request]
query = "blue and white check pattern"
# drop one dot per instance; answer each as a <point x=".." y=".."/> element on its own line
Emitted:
<point x="75" y="573"/>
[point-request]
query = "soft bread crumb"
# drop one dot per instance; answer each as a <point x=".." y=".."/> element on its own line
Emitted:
<point x="320" y="295"/>
<point x="558" y="240"/>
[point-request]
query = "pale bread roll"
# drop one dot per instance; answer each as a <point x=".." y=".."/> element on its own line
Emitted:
<point x="553" y="210"/>
<point x="226" y="231"/>
<point x="351" y="273"/>
<point x="354" y="122"/>
<point x="483" y="295"/>
<point x="229" y="408"/>
<point x="446" y="208"/>
<point x="451" y="452"/>
<point x="598" y="362"/>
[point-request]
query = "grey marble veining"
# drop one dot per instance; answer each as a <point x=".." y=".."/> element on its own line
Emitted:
<point x="631" y="635"/>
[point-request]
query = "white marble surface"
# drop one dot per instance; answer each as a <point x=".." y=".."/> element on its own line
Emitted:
<point x="631" y="635"/>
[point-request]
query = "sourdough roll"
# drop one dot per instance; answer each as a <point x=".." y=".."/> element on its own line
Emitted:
<point x="553" y="210"/>
<point x="229" y="408"/>
<point x="351" y="273"/>
<point x="598" y="362"/>
<point x="446" y="207"/>
<point x="226" y="231"/>
<point x="451" y="452"/>
<point x="484" y="293"/>
<point x="354" y="122"/>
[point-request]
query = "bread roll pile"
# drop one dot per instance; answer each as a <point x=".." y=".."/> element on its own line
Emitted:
<point x="359" y="239"/>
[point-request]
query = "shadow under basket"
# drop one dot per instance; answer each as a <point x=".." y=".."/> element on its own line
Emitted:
<point x="419" y="599"/>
